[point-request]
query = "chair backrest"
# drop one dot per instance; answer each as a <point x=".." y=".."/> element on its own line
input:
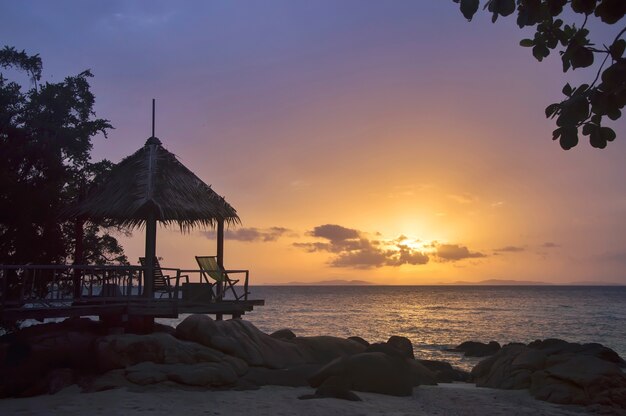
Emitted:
<point x="159" y="283"/>
<point x="210" y="267"/>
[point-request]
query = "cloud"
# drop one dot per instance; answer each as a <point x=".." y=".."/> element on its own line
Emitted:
<point x="455" y="252"/>
<point x="509" y="249"/>
<point x="550" y="245"/>
<point x="352" y="248"/>
<point x="252" y="234"/>
<point x="334" y="233"/>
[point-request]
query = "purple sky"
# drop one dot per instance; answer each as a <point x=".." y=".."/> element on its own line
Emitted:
<point x="389" y="119"/>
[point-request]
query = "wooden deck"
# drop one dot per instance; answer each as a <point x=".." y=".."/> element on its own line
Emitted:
<point x="22" y="297"/>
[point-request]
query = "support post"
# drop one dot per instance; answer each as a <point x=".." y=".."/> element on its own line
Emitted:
<point x="150" y="254"/>
<point x="220" y="256"/>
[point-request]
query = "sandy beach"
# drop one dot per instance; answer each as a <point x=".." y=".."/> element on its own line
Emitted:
<point x="443" y="400"/>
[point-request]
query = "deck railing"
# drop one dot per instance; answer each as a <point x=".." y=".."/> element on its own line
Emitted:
<point x="49" y="285"/>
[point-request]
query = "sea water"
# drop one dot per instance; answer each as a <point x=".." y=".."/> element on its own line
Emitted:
<point x="437" y="318"/>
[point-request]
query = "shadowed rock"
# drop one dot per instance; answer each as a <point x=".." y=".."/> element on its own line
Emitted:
<point x="125" y="350"/>
<point x="403" y="344"/>
<point x="284" y="334"/>
<point x="477" y="349"/>
<point x="374" y="372"/>
<point x="444" y="372"/>
<point x="558" y="372"/>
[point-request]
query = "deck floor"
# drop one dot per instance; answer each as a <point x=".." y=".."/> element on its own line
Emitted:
<point x="158" y="308"/>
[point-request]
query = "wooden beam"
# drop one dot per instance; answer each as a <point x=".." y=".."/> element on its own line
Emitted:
<point x="220" y="243"/>
<point x="150" y="254"/>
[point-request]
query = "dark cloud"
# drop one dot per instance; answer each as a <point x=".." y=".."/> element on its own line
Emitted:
<point x="252" y="234"/>
<point x="334" y="232"/>
<point x="455" y="252"/>
<point x="351" y="248"/>
<point x="550" y="245"/>
<point x="509" y="249"/>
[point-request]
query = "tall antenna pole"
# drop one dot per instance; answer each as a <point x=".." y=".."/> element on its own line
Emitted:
<point x="153" y="111"/>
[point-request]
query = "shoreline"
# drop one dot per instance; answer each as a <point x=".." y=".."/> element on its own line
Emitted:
<point x="442" y="400"/>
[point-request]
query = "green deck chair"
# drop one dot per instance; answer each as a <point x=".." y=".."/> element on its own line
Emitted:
<point x="211" y="269"/>
<point x="161" y="283"/>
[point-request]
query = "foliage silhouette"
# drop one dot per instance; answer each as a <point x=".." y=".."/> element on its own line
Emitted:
<point x="585" y="106"/>
<point x="45" y="143"/>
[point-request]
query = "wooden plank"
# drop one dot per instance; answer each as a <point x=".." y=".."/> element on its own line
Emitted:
<point x="165" y="308"/>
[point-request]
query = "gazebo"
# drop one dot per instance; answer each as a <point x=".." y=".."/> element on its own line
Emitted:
<point x="151" y="186"/>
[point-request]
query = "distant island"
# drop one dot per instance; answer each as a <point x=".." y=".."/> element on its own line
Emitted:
<point x="489" y="282"/>
<point x="504" y="282"/>
<point x="499" y="282"/>
<point x="336" y="282"/>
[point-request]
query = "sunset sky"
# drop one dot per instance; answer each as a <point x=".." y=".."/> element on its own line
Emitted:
<point x="388" y="141"/>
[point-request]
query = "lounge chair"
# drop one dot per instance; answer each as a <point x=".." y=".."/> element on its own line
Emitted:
<point x="161" y="283"/>
<point x="211" y="269"/>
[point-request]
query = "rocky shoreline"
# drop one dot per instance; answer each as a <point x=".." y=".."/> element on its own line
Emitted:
<point x="201" y="353"/>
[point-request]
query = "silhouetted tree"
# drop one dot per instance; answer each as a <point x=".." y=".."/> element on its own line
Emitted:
<point x="586" y="105"/>
<point x="45" y="144"/>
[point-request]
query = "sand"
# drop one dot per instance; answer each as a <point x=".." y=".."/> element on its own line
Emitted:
<point x="443" y="400"/>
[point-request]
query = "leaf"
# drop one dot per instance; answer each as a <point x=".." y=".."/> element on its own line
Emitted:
<point x="469" y="8"/>
<point x="617" y="49"/>
<point x="611" y="11"/>
<point x="567" y="90"/>
<point x="527" y="43"/>
<point x="583" y="6"/>
<point x="569" y="137"/>
<point x="552" y="109"/>
<point x="607" y="133"/>
<point x="582" y="57"/>
<point x="540" y="52"/>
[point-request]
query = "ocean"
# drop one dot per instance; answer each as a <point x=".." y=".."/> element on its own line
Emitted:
<point x="436" y="318"/>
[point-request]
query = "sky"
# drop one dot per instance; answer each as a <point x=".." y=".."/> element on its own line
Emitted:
<point x="392" y="142"/>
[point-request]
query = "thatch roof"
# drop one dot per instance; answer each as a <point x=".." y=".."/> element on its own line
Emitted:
<point x="153" y="179"/>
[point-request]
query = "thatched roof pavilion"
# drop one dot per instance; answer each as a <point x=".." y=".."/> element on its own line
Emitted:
<point x="152" y="185"/>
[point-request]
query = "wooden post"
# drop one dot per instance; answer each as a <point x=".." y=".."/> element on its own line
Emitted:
<point x="220" y="255"/>
<point x="150" y="254"/>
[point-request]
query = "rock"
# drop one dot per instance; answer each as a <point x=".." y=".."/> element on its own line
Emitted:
<point x="360" y="341"/>
<point x="296" y="376"/>
<point x="324" y="349"/>
<point x="284" y="334"/>
<point x="558" y="372"/>
<point x="403" y="344"/>
<point x="200" y="374"/>
<point x="477" y="349"/>
<point x="420" y="375"/>
<point x="374" y="372"/>
<point x="387" y="349"/>
<point x="337" y="388"/>
<point x="125" y="350"/>
<point x="444" y="372"/>
<point x="554" y="346"/>
<point x="240" y="339"/>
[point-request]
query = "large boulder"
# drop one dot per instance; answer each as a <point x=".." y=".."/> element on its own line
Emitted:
<point x="125" y="350"/>
<point x="284" y="334"/>
<point x="242" y="339"/>
<point x="374" y="372"/>
<point x="199" y="374"/>
<point x="477" y="349"/>
<point x="403" y="344"/>
<point x="324" y="349"/>
<point x="558" y="372"/>
<point x="444" y="372"/>
<point x="296" y="376"/>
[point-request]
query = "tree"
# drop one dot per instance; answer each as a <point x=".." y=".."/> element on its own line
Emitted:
<point x="584" y="107"/>
<point x="45" y="144"/>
